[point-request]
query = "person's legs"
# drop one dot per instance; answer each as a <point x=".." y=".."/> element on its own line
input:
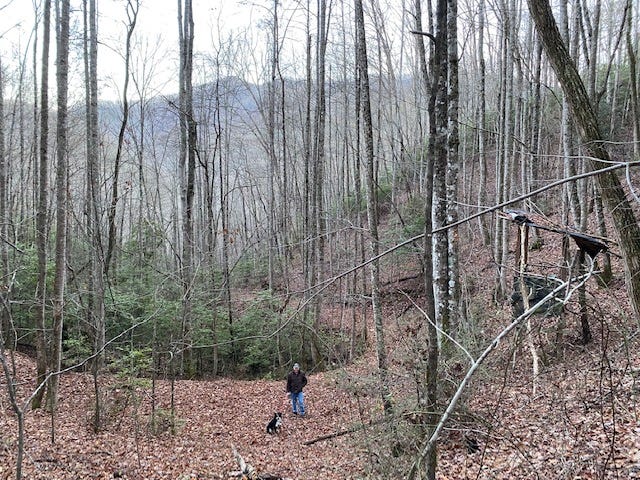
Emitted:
<point x="294" y="403"/>
<point x="301" y="403"/>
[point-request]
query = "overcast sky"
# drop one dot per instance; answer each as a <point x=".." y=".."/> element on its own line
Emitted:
<point x="156" y="35"/>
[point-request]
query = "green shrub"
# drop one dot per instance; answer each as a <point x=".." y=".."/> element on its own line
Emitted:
<point x="163" y="420"/>
<point x="76" y="350"/>
<point x="133" y="363"/>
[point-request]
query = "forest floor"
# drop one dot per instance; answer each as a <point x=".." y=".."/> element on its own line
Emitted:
<point x="577" y="419"/>
<point x="581" y="423"/>
<point x="213" y="417"/>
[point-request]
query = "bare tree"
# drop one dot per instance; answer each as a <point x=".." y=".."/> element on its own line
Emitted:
<point x="276" y="218"/>
<point x="438" y="112"/>
<point x="634" y="78"/>
<point x="505" y="139"/>
<point x="308" y="248"/>
<point x="225" y="201"/>
<point x="427" y="378"/>
<point x="42" y="210"/>
<point x="187" y="175"/>
<point x="112" y="235"/>
<point x="482" y="122"/>
<point x="62" y="153"/>
<point x="11" y="386"/>
<point x="4" y="223"/>
<point x="271" y="144"/>
<point x="93" y="208"/>
<point x="209" y="173"/>
<point x="372" y="206"/>
<point x="614" y="197"/>
<point x="454" y="306"/>
<point x="318" y="155"/>
<point x="438" y="148"/>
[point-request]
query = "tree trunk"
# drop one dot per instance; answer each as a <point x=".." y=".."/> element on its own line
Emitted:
<point x="271" y="149"/>
<point x="482" y="123"/>
<point x="318" y="174"/>
<point x="455" y="313"/>
<point x="504" y="161"/>
<point x="359" y="239"/>
<point x="62" y="73"/>
<point x="309" y="223"/>
<point x="439" y="130"/>
<point x="437" y="271"/>
<point x="428" y="378"/>
<point x="42" y="211"/>
<point x="5" y="288"/>
<point x="187" y="178"/>
<point x="210" y="175"/>
<point x="274" y="219"/>
<point x="95" y="301"/>
<point x="132" y="14"/>
<point x="223" y="171"/>
<point x="12" y="394"/>
<point x="372" y="206"/>
<point x="613" y="195"/>
<point x="607" y="272"/>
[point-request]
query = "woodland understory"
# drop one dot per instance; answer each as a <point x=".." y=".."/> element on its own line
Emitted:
<point x="431" y="206"/>
<point x="581" y="421"/>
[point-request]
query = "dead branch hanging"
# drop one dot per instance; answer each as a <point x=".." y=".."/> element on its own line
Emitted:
<point x="430" y="443"/>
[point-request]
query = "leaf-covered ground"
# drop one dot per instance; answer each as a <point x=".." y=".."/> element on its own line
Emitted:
<point x="580" y="422"/>
<point x="212" y="416"/>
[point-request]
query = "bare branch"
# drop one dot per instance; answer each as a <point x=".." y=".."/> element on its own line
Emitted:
<point x="426" y="34"/>
<point x="492" y="346"/>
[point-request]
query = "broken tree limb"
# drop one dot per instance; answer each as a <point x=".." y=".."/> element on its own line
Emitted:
<point x="348" y="431"/>
<point x="430" y="443"/>
<point x="333" y="435"/>
<point x="248" y="471"/>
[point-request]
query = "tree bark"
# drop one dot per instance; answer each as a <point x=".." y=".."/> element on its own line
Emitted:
<point x="211" y="223"/>
<point x="437" y="272"/>
<point x="372" y="206"/>
<point x="62" y="73"/>
<point x="633" y="80"/>
<point x="5" y="287"/>
<point x="187" y="177"/>
<point x="318" y="176"/>
<point x="271" y="149"/>
<point x="95" y="301"/>
<point x="438" y="146"/>
<point x="613" y="195"/>
<point x="482" y="123"/>
<point x="12" y="394"/>
<point x="309" y="223"/>
<point x="455" y="310"/>
<point x="42" y="210"/>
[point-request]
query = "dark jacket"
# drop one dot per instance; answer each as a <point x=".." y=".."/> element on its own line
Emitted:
<point x="296" y="381"/>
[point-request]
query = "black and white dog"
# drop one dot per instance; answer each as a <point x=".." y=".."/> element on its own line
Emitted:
<point x="275" y="424"/>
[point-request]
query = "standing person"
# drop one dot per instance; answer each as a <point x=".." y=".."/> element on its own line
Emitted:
<point x="296" y="381"/>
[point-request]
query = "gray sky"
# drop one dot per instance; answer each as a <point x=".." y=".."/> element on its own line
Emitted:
<point x="155" y="54"/>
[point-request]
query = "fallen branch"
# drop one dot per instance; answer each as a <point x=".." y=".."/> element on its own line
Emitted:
<point x="355" y="429"/>
<point x="248" y="471"/>
<point x="430" y="443"/>
<point x="332" y="435"/>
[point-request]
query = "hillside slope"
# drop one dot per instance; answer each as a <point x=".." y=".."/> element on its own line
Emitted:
<point x="212" y="416"/>
<point x="580" y="421"/>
